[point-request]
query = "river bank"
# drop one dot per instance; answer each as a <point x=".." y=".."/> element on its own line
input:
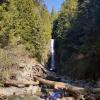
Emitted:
<point x="43" y="90"/>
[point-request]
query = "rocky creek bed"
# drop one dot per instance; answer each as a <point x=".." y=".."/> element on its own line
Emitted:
<point x="51" y="90"/>
<point x="15" y="93"/>
<point x="30" y="80"/>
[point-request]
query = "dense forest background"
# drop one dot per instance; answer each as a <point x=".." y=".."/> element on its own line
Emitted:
<point x="25" y="29"/>
<point x="77" y="35"/>
<point x="27" y="24"/>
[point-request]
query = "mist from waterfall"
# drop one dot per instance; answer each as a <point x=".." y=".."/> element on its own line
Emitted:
<point x="52" y="55"/>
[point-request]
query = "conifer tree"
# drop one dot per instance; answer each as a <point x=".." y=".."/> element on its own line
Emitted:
<point x="77" y="32"/>
<point x="25" y="22"/>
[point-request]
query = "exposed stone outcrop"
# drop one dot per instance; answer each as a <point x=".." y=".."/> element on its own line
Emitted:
<point x="23" y="67"/>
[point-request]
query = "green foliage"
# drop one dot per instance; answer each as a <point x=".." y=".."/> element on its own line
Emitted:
<point x="64" y="24"/>
<point x="87" y="26"/>
<point x="65" y="20"/>
<point x="77" y="31"/>
<point x="5" y="66"/>
<point x="25" y="22"/>
<point x="54" y="15"/>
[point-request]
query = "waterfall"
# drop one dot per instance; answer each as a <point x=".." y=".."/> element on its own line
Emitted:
<point x="52" y="55"/>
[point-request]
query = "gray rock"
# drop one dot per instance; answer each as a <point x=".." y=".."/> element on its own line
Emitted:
<point x="24" y="97"/>
<point x="18" y="91"/>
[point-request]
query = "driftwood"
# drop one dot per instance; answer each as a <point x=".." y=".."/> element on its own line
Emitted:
<point x="77" y="92"/>
<point x="20" y="84"/>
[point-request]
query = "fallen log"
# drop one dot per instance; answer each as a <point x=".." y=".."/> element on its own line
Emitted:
<point x="75" y="91"/>
<point x="20" y="84"/>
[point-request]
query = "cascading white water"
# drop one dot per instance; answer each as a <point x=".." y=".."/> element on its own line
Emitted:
<point x="52" y="55"/>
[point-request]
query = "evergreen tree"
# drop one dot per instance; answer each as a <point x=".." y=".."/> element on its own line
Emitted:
<point x="77" y="32"/>
<point x="64" y="24"/>
<point x="54" y="15"/>
<point x="25" y="22"/>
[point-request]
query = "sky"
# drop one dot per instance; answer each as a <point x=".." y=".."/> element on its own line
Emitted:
<point x="56" y="4"/>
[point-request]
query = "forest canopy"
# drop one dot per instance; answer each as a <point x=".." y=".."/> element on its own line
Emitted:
<point x="75" y="29"/>
<point x="77" y="35"/>
<point x="25" y="22"/>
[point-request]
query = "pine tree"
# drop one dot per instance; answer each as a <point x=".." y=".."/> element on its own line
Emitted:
<point x="54" y="15"/>
<point x="63" y="25"/>
<point x="25" y="22"/>
<point x="77" y="32"/>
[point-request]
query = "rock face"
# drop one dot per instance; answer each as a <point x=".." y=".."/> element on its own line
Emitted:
<point x="24" y="67"/>
<point x="21" y="97"/>
<point x="31" y="90"/>
<point x="27" y="71"/>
